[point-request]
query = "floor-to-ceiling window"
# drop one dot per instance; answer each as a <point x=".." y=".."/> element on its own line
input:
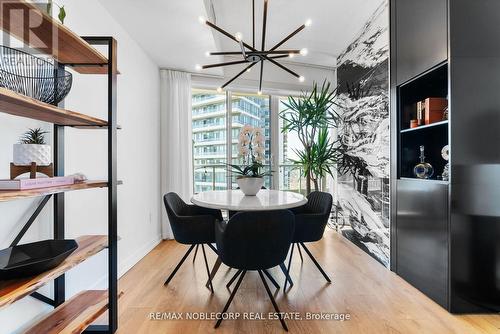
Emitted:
<point x="209" y="140"/>
<point x="255" y="111"/>
<point x="217" y="121"/>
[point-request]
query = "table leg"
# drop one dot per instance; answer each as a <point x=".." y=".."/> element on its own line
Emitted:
<point x="214" y="271"/>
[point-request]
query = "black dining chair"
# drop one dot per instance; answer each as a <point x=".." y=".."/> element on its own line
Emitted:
<point x="310" y="223"/>
<point x="191" y="225"/>
<point x="255" y="240"/>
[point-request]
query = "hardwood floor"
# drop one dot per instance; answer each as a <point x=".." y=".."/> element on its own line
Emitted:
<point x="377" y="300"/>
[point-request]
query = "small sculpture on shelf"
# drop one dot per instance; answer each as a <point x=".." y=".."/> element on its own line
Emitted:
<point x="445" y="153"/>
<point x="423" y="170"/>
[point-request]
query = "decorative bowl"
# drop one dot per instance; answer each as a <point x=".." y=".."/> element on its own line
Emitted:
<point x="32" y="76"/>
<point x="250" y="186"/>
<point x="34" y="258"/>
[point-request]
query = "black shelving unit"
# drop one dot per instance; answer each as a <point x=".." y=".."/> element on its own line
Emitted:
<point x="77" y="53"/>
<point x="444" y="234"/>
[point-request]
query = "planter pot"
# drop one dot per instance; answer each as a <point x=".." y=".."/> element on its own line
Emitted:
<point x="25" y="154"/>
<point x="250" y="186"/>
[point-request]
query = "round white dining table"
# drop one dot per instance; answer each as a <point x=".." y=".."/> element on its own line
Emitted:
<point x="235" y="200"/>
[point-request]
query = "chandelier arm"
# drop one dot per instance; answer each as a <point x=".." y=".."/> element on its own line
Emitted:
<point x="225" y="64"/>
<point x="222" y="31"/>
<point x="284" y="40"/>
<point x="255" y="53"/>
<point x="261" y="75"/>
<point x="278" y="57"/>
<point x="264" y="24"/>
<point x="283" y="67"/>
<point x="238" y="75"/>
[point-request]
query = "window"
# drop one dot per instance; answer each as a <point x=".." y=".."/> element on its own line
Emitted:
<point x="253" y="110"/>
<point x="215" y="140"/>
<point x="290" y="177"/>
<point x="209" y="146"/>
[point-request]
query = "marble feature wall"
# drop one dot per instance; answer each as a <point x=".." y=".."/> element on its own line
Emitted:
<point x="363" y="166"/>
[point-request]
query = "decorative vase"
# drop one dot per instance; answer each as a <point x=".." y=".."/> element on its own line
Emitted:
<point x="250" y="186"/>
<point x="25" y="154"/>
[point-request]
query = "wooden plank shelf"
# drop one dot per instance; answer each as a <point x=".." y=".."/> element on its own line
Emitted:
<point x="15" y="289"/>
<point x="24" y="106"/>
<point x="9" y="195"/>
<point x="75" y="315"/>
<point x="45" y="34"/>
<point x="423" y="127"/>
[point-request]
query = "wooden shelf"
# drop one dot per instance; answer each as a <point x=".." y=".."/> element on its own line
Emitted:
<point x="15" y="289"/>
<point x="75" y="315"/>
<point x="9" y="195"/>
<point x="66" y="47"/>
<point x="423" y="127"/>
<point x="23" y="106"/>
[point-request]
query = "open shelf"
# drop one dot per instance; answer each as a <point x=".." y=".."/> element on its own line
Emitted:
<point x="51" y="37"/>
<point x="424" y="180"/>
<point x="15" y="289"/>
<point x="75" y="315"/>
<point x="423" y="127"/>
<point x="23" y="106"/>
<point x="9" y="195"/>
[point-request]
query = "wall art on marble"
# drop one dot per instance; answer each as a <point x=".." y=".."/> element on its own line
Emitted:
<point x="364" y="145"/>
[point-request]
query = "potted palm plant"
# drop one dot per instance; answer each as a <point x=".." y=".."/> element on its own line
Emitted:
<point x="32" y="148"/>
<point x="311" y="115"/>
<point x="251" y="148"/>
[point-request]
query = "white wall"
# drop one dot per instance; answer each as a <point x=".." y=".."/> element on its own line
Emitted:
<point x="86" y="151"/>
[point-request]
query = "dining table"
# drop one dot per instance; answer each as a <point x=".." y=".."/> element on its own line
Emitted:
<point x="235" y="200"/>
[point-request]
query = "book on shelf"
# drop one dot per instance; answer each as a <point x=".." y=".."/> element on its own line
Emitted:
<point x="42" y="182"/>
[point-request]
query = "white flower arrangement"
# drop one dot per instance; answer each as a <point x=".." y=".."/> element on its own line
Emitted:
<point x="251" y="148"/>
<point x="251" y="144"/>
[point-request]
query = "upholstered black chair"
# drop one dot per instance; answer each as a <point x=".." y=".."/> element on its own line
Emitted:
<point x="254" y="241"/>
<point x="310" y="223"/>
<point x="191" y="225"/>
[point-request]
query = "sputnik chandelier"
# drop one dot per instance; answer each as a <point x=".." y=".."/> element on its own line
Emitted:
<point x="251" y="56"/>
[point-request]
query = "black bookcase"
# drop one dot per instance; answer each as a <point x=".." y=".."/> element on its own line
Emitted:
<point x="445" y="234"/>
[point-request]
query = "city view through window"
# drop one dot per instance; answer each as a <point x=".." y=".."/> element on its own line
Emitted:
<point x="211" y="128"/>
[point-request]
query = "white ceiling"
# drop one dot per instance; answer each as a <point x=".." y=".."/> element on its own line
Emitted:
<point x="169" y="31"/>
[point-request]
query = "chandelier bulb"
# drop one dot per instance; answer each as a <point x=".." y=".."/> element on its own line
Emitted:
<point x="238" y="36"/>
<point x="259" y="92"/>
<point x="304" y="52"/>
<point x="302" y="79"/>
<point x="219" y="90"/>
<point x="198" y="67"/>
<point x="308" y="23"/>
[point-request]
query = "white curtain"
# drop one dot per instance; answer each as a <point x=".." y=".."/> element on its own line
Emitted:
<point x="176" y="141"/>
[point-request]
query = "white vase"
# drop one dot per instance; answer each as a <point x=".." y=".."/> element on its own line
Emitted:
<point x="250" y="186"/>
<point x="25" y="154"/>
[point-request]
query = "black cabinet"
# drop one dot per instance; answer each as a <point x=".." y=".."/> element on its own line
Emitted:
<point x="422" y="236"/>
<point x="421" y="37"/>
<point x="445" y="235"/>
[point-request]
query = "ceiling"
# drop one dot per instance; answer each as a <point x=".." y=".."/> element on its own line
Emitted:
<point x="170" y="33"/>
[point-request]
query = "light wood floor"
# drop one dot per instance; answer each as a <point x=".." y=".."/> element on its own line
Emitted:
<point x="377" y="300"/>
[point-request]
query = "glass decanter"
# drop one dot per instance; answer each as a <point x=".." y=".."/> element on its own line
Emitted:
<point x="423" y="170"/>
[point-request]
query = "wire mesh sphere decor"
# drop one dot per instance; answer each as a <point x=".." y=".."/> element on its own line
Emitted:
<point x="33" y="76"/>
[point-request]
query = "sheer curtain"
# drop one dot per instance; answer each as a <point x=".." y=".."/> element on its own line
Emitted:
<point x="176" y="141"/>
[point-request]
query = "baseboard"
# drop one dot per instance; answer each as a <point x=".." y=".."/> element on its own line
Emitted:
<point x="129" y="262"/>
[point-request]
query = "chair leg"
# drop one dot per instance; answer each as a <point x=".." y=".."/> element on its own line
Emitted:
<point x="316" y="263"/>
<point x="215" y="268"/>
<point x="235" y="276"/>
<point x="289" y="265"/>
<point x="271" y="278"/>
<point x="195" y="252"/>
<point x="273" y="301"/>
<point x="300" y="253"/>
<point x="217" y="324"/>
<point x="208" y="269"/>
<point x="286" y="273"/>
<point x="179" y="265"/>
